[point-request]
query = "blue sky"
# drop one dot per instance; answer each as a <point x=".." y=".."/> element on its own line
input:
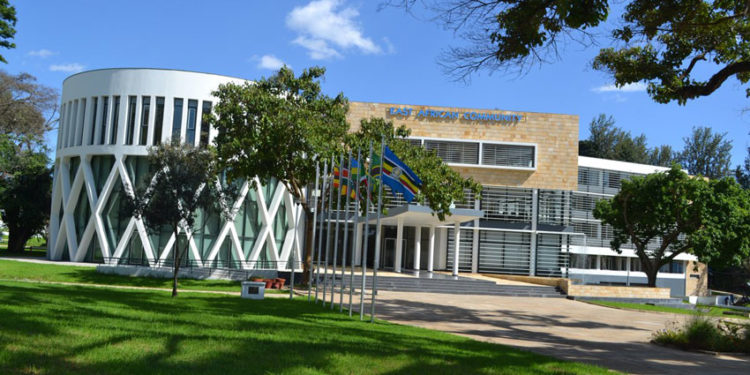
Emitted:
<point x="371" y="55"/>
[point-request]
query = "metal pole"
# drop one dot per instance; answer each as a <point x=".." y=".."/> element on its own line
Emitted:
<point x="377" y="233"/>
<point x="315" y="222"/>
<point x="346" y="229"/>
<point x="291" y="277"/>
<point x="355" y="227"/>
<point x="322" y="217"/>
<point x="328" y="232"/>
<point x="365" y="245"/>
<point x="336" y="231"/>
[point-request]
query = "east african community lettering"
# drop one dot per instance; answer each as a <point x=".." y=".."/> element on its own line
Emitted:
<point x="470" y="115"/>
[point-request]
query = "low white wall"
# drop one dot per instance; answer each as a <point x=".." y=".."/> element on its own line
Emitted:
<point x="187" y="273"/>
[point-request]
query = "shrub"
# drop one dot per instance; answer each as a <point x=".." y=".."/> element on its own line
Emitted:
<point x="703" y="333"/>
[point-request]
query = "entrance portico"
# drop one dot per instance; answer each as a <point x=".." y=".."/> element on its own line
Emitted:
<point x="397" y="252"/>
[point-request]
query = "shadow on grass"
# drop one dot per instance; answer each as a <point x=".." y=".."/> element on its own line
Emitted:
<point x="59" y="329"/>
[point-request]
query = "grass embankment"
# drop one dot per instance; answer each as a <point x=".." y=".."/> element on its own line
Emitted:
<point x="702" y="310"/>
<point x="14" y="270"/>
<point x="63" y="329"/>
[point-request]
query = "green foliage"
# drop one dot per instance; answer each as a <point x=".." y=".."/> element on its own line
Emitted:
<point x="742" y="173"/>
<point x="180" y="177"/>
<point x="441" y="185"/>
<point x="706" y="153"/>
<point x="55" y="329"/>
<point x="7" y="26"/>
<point x="607" y="141"/>
<point x="278" y="127"/>
<point x="702" y="333"/>
<point x="25" y="189"/>
<point x="709" y="219"/>
<point x="662" y="43"/>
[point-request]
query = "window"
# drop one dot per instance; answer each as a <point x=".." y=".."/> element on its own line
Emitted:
<point x="675" y="266"/>
<point x="131" y="120"/>
<point x="159" y="119"/>
<point x="177" y="119"/>
<point x="82" y="124"/>
<point x="115" y="119"/>
<point x="191" y="119"/>
<point x="455" y="152"/>
<point x="95" y="104"/>
<point x="103" y="125"/>
<point x="204" y="124"/>
<point x="614" y="263"/>
<point x="145" y="109"/>
<point x="508" y="155"/>
<point x="72" y="125"/>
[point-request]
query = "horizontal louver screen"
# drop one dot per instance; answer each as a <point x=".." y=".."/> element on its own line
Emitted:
<point x="455" y="152"/>
<point x="508" y="155"/>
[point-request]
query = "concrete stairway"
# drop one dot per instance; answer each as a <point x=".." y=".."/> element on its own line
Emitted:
<point x="452" y="286"/>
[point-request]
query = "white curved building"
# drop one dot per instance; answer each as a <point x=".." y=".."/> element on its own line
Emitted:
<point x="108" y="119"/>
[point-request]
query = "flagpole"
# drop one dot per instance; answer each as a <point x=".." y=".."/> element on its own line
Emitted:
<point x="346" y="228"/>
<point x="314" y="193"/>
<point x="328" y="231"/>
<point x="365" y="246"/>
<point x="324" y="179"/>
<point x="336" y="231"/>
<point x="376" y="262"/>
<point x="356" y="226"/>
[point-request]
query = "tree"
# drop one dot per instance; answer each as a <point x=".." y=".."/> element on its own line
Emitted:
<point x="662" y="156"/>
<point x="280" y="127"/>
<point x="441" y="185"/>
<point x="26" y="107"/>
<point x="706" y="153"/>
<point x="607" y="141"/>
<point x="662" y="43"/>
<point x="742" y="173"/>
<point x="7" y="26"/>
<point x="25" y="189"/>
<point x="181" y="179"/>
<point x="670" y="213"/>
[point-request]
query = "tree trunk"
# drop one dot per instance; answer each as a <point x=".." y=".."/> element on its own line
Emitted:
<point x="651" y="274"/>
<point x="17" y="239"/>
<point x="176" y="259"/>
<point x="307" y="264"/>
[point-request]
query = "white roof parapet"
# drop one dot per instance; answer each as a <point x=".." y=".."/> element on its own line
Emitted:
<point x="621" y="166"/>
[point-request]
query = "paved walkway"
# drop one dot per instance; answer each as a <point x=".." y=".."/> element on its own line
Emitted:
<point x="561" y="328"/>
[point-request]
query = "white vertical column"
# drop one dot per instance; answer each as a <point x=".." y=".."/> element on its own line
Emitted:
<point x="417" y="247"/>
<point x="534" y="220"/>
<point x="457" y="243"/>
<point x="431" y="250"/>
<point x="358" y="245"/>
<point x="399" y="245"/>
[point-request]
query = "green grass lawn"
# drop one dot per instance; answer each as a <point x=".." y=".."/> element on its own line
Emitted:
<point x="13" y="270"/>
<point x="37" y="251"/>
<point x="704" y="310"/>
<point x="69" y="329"/>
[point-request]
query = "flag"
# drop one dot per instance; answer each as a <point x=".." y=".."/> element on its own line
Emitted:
<point x="397" y="175"/>
<point x="343" y="178"/>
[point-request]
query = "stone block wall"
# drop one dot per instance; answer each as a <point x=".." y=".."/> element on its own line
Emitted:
<point x="555" y="137"/>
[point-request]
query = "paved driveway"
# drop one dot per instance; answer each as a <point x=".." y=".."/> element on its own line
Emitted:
<point x="562" y="328"/>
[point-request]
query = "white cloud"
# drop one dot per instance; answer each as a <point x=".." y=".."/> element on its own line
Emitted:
<point x="324" y="30"/>
<point x="270" y="62"/>
<point x="41" y="53"/>
<point x="67" y="68"/>
<point x="630" y="87"/>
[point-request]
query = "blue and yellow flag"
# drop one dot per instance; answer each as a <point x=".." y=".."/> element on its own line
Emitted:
<point x="397" y="175"/>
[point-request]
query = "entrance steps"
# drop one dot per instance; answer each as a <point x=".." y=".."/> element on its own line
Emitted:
<point x="452" y="286"/>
